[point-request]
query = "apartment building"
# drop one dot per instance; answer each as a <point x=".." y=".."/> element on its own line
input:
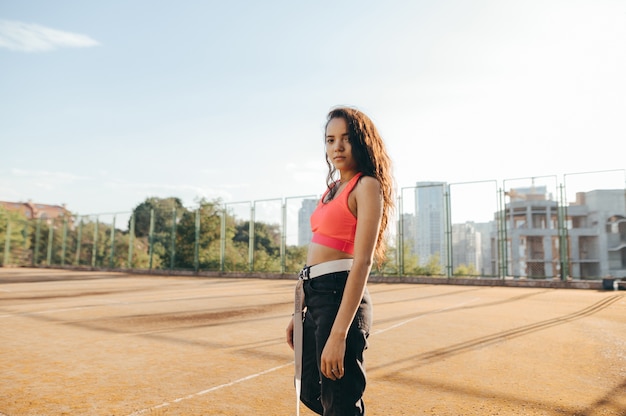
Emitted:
<point x="594" y="235"/>
<point x="597" y="234"/>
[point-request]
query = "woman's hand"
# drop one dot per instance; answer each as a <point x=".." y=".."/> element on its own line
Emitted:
<point x="290" y="333"/>
<point x="332" y="357"/>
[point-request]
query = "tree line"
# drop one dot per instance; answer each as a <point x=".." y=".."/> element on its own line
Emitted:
<point x="161" y="233"/>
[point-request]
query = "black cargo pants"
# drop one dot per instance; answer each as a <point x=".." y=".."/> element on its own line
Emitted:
<point x="324" y="396"/>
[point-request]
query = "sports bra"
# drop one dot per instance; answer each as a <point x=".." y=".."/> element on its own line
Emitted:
<point x="332" y="223"/>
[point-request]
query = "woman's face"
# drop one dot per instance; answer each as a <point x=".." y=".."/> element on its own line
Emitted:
<point x="338" y="147"/>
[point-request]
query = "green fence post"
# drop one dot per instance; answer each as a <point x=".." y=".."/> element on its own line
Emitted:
<point x="563" y="237"/>
<point x="64" y="242"/>
<point x="79" y="238"/>
<point x="251" y="239"/>
<point x="283" y="238"/>
<point x="7" y="243"/>
<point x="223" y="240"/>
<point x="173" y="240"/>
<point x="131" y="238"/>
<point x="37" y="231"/>
<point x="400" y="238"/>
<point x="49" y="251"/>
<point x="25" y="239"/>
<point x="94" y="249"/>
<point x="501" y="240"/>
<point x="112" y="243"/>
<point x="151" y="237"/>
<point x="505" y="236"/>
<point x="448" y="230"/>
<point x="196" y="247"/>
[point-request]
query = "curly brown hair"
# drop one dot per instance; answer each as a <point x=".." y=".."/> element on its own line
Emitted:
<point x="368" y="149"/>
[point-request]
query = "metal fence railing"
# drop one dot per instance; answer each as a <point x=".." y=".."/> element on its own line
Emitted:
<point x="567" y="227"/>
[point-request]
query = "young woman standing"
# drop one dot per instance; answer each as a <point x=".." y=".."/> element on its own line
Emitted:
<point x="348" y="227"/>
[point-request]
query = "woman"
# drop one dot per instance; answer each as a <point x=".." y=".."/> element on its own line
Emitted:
<point x="348" y="227"/>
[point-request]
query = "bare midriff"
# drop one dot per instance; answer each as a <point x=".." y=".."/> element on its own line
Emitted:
<point x="318" y="253"/>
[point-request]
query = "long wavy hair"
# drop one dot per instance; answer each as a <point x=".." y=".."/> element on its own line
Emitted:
<point x="368" y="149"/>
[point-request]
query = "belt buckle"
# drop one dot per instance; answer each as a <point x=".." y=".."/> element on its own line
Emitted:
<point x="305" y="273"/>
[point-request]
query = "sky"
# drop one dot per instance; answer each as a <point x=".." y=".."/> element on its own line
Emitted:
<point x="104" y="104"/>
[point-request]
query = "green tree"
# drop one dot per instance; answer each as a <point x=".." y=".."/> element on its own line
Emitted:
<point x="14" y="242"/>
<point x="165" y="213"/>
<point x="432" y="267"/>
<point x="163" y="217"/>
<point x="411" y="261"/>
<point x="266" y="244"/>
<point x="47" y="240"/>
<point x="209" y="242"/>
<point x="295" y="258"/>
<point x="466" y="270"/>
<point x="84" y="228"/>
<point x="140" y="258"/>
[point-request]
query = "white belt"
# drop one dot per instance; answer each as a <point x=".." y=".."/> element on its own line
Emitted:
<point x="308" y="273"/>
<point x="311" y="272"/>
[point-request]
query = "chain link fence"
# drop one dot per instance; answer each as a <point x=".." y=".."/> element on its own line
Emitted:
<point x="542" y="227"/>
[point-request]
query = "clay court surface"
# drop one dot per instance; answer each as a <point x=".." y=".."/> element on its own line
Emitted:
<point x="89" y="343"/>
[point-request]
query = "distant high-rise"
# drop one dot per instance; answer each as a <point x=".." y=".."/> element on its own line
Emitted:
<point x="430" y="214"/>
<point x="304" y="224"/>
<point x="467" y="246"/>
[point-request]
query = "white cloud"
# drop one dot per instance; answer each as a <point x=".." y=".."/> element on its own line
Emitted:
<point x="29" y="37"/>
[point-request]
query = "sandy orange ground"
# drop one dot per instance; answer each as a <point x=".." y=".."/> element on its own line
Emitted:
<point x="80" y="343"/>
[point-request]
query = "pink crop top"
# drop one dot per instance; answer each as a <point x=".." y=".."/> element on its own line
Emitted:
<point x="332" y="223"/>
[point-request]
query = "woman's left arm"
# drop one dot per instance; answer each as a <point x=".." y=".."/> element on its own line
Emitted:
<point x="369" y="206"/>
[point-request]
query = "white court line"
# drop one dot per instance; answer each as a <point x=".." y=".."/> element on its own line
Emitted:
<point x="200" y="393"/>
<point x="232" y="383"/>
